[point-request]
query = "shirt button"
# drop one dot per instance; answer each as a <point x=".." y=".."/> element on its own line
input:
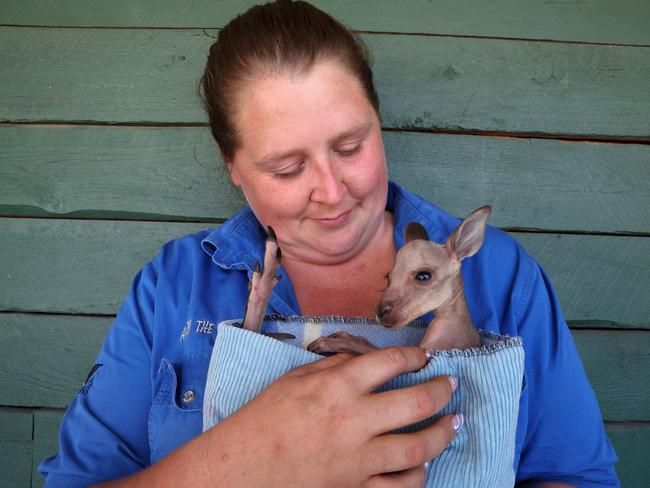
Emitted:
<point x="188" y="396"/>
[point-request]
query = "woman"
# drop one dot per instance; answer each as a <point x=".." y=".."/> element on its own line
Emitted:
<point x="295" y="115"/>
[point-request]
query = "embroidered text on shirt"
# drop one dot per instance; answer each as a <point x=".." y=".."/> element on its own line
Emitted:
<point x="204" y="326"/>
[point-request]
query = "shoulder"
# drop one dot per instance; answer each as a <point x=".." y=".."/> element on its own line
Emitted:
<point x="496" y="278"/>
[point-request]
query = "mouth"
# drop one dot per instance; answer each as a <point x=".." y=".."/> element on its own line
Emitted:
<point x="334" y="221"/>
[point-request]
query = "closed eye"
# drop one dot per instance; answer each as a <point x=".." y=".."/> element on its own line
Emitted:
<point x="292" y="173"/>
<point x="347" y="152"/>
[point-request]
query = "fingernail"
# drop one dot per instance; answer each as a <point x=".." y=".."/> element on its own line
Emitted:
<point x="457" y="422"/>
<point x="454" y="383"/>
<point x="428" y="354"/>
<point x="426" y="466"/>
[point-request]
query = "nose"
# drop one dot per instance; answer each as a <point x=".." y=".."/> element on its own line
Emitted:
<point x="383" y="309"/>
<point x="329" y="187"/>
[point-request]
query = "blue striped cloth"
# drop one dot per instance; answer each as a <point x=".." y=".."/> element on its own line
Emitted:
<point x="243" y="363"/>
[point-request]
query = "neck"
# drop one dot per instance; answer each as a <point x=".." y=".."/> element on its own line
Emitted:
<point x="452" y="327"/>
<point x="348" y="288"/>
<point x="455" y="310"/>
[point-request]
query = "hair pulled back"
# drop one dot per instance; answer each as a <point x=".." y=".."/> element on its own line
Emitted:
<point x="278" y="38"/>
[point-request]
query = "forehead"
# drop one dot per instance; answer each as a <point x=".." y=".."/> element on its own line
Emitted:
<point x="295" y="108"/>
<point x="419" y="253"/>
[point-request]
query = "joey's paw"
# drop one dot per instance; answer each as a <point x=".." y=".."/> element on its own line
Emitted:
<point x="341" y="342"/>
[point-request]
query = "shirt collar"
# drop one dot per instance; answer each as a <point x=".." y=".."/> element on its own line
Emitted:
<point x="237" y="243"/>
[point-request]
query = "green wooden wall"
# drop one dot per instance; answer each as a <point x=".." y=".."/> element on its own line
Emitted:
<point x="541" y="109"/>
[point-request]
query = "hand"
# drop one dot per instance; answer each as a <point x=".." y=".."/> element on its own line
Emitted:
<point x="321" y="425"/>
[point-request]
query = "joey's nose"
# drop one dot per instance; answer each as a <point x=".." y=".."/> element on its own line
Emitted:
<point x="383" y="309"/>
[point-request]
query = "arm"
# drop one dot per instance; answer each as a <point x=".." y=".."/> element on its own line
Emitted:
<point x="307" y="426"/>
<point x="565" y="439"/>
<point x="311" y="423"/>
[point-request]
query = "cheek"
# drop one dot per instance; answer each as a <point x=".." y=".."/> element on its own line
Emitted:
<point x="370" y="173"/>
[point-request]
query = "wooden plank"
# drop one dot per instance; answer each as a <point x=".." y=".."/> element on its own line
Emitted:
<point x="112" y="172"/>
<point x="57" y="350"/>
<point x="597" y="278"/>
<point x="71" y="266"/>
<point x="46" y="431"/>
<point x="425" y="83"/>
<point x="616" y="362"/>
<point x="619" y="22"/>
<point x="632" y="445"/>
<point x="610" y="356"/>
<point x="76" y="266"/>
<point x="176" y="174"/>
<point x="15" y="448"/>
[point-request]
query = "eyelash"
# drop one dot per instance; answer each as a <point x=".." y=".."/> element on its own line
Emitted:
<point x="291" y="173"/>
<point x="345" y="153"/>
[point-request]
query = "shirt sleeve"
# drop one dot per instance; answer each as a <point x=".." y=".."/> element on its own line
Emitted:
<point x="565" y="439"/>
<point x="104" y="432"/>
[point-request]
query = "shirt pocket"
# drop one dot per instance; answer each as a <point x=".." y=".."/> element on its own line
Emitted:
<point x="176" y="414"/>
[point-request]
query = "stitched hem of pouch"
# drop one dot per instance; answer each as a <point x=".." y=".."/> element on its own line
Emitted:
<point x="504" y="341"/>
<point x="321" y="319"/>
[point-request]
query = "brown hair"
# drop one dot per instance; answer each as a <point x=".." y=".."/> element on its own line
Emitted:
<point x="269" y="40"/>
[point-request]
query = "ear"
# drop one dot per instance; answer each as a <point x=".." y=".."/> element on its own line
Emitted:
<point x="467" y="239"/>
<point x="232" y="171"/>
<point x="229" y="168"/>
<point x="415" y="231"/>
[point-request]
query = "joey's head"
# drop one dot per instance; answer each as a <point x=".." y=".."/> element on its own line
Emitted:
<point x="426" y="275"/>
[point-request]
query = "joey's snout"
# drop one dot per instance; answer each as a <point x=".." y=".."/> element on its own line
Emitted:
<point x="382" y="310"/>
<point x="389" y="313"/>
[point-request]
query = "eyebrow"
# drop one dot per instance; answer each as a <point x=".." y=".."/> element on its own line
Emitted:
<point x="359" y="129"/>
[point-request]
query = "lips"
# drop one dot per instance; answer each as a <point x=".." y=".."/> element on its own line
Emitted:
<point x="335" y="221"/>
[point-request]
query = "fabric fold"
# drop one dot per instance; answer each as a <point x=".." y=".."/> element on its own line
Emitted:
<point x="243" y="363"/>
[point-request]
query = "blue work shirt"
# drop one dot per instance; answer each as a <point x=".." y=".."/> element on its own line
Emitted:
<point x="144" y="396"/>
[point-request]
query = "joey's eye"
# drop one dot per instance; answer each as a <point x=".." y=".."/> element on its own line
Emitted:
<point x="423" y="276"/>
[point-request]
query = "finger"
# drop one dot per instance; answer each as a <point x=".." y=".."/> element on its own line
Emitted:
<point x="393" y="409"/>
<point x="410" y="478"/>
<point x="371" y="370"/>
<point x="397" y="452"/>
<point x="320" y="365"/>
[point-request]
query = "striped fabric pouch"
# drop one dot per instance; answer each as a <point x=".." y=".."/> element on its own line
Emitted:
<point x="243" y="363"/>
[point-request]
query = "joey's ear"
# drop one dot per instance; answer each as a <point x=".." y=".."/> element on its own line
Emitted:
<point x="467" y="239"/>
<point x="415" y="231"/>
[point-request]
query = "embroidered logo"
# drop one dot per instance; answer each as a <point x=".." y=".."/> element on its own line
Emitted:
<point x="90" y="379"/>
<point x="186" y="329"/>
<point x="202" y="327"/>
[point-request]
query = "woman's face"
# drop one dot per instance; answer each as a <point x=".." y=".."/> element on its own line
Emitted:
<point x="311" y="162"/>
